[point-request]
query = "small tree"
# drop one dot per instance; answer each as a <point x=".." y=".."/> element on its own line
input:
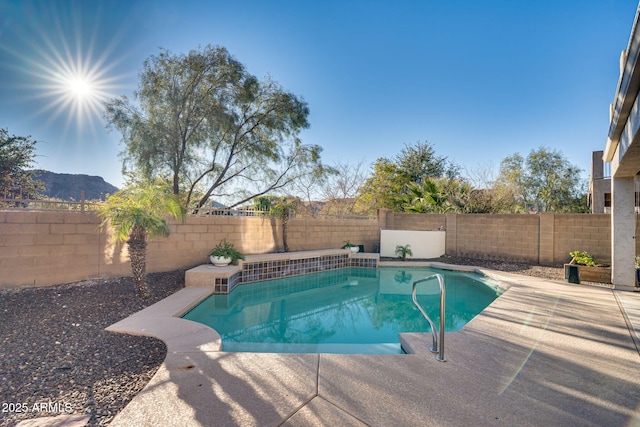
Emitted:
<point x="427" y="196"/>
<point x="403" y="251"/>
<point x="135" y="214"/>
<point x="16" y="156"/>
<point x="341" y="188"/>
<point x="263" y="203"/>
<point x="282" y="209"/>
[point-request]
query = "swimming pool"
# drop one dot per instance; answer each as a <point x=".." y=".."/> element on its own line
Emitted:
<point x="350" y="310"/>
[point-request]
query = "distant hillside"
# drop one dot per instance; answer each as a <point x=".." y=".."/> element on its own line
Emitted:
<point x="65" y="186"/>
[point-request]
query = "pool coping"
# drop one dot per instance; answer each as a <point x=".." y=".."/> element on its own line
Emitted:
<point x="544" y="362"/>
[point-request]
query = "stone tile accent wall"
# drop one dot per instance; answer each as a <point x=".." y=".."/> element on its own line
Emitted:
<point x="224" y="285"/>
<point x="279" y="268"/>
<point x="276" y="266"/>
<point x="297" y="284"/>
<point x="363" y="262"/>
<point x="257" y="271"/>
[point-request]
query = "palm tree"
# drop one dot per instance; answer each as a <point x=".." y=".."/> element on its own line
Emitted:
<point x="426" y="196"/>
<point x="283" y="208"/>
<point x="135" y="214"/>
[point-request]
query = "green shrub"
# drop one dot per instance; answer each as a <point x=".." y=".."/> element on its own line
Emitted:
<point x="348" y="244"/>
<point x="582" y="258"/>
<point x="403" y="251"/>
<point x="225" y="249"/>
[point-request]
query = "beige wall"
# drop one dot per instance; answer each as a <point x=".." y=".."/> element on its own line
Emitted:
<point x="590" y="233"/>
<point x="44" y="248"/>
<point x="545" y="238"/>
<point x="508" y="237"/>
<point x="406" y="221"/>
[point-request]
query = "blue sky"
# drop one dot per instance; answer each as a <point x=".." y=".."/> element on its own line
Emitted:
<point x="480" y="80"/>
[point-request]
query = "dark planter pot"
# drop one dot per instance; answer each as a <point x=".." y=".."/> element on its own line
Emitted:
<point x="573" y="273"/>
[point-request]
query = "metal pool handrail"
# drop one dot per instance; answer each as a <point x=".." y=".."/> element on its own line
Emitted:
<point x="435" y="348"/>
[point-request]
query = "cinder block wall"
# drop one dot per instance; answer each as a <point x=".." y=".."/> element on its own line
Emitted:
<point x="545" y="238"/>
<point x="576" y="232"/>
<point x="190" y="241"/>
<point x="501" y="237"/>
<point x="43" y="248"/>
<point x="309" y="233"/>
<point x="46" y="248"/>
<point x="426" y="222"/>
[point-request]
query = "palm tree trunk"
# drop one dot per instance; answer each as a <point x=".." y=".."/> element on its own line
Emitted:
<point x="138" y="253"/>
<point x="285" y="222"/>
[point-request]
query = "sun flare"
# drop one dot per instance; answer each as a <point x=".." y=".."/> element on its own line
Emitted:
<point x="76" y="88"/>
<point x="71" y="71"/>
<point x="80" y="87"/>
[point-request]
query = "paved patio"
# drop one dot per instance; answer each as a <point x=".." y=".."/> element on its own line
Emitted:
<point x="544" y="354"/>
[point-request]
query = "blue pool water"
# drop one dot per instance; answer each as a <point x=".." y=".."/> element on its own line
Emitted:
<point x="352" y="310"/>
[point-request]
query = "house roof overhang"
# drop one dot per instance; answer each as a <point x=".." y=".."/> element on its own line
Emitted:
<point x="626" y="92"/>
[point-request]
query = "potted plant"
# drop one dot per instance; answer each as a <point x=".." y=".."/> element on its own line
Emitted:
<point x="353" y="248"/>
<point x="583" y="266"/>
<point x="403" y="251"/>
<point x="224" y="253"/>
<point x="582" y="258"/>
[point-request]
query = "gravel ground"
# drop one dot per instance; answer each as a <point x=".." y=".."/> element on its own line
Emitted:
<point x="553" y="273"/>
<point x="56" y="357"/>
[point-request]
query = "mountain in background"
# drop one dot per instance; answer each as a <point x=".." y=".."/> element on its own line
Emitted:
<point x="70" y="186"/>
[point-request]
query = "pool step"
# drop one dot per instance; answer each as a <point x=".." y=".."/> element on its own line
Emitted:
<point x="383" y="348"/>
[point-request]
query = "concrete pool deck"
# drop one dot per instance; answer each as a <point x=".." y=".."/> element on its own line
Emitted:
<point x="545" y="353"/>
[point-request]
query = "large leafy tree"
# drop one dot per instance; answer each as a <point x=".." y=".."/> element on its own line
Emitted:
<point x="545" y="181"/>
<point x="420" y="161"/>
<point x="382" y="188"/>
<point x="394" y="179"/>
<point x="484" y="195"/>
<point x="16" y="157"/>
<point x="213" y="127"/>
<point x="135" y="214"/>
